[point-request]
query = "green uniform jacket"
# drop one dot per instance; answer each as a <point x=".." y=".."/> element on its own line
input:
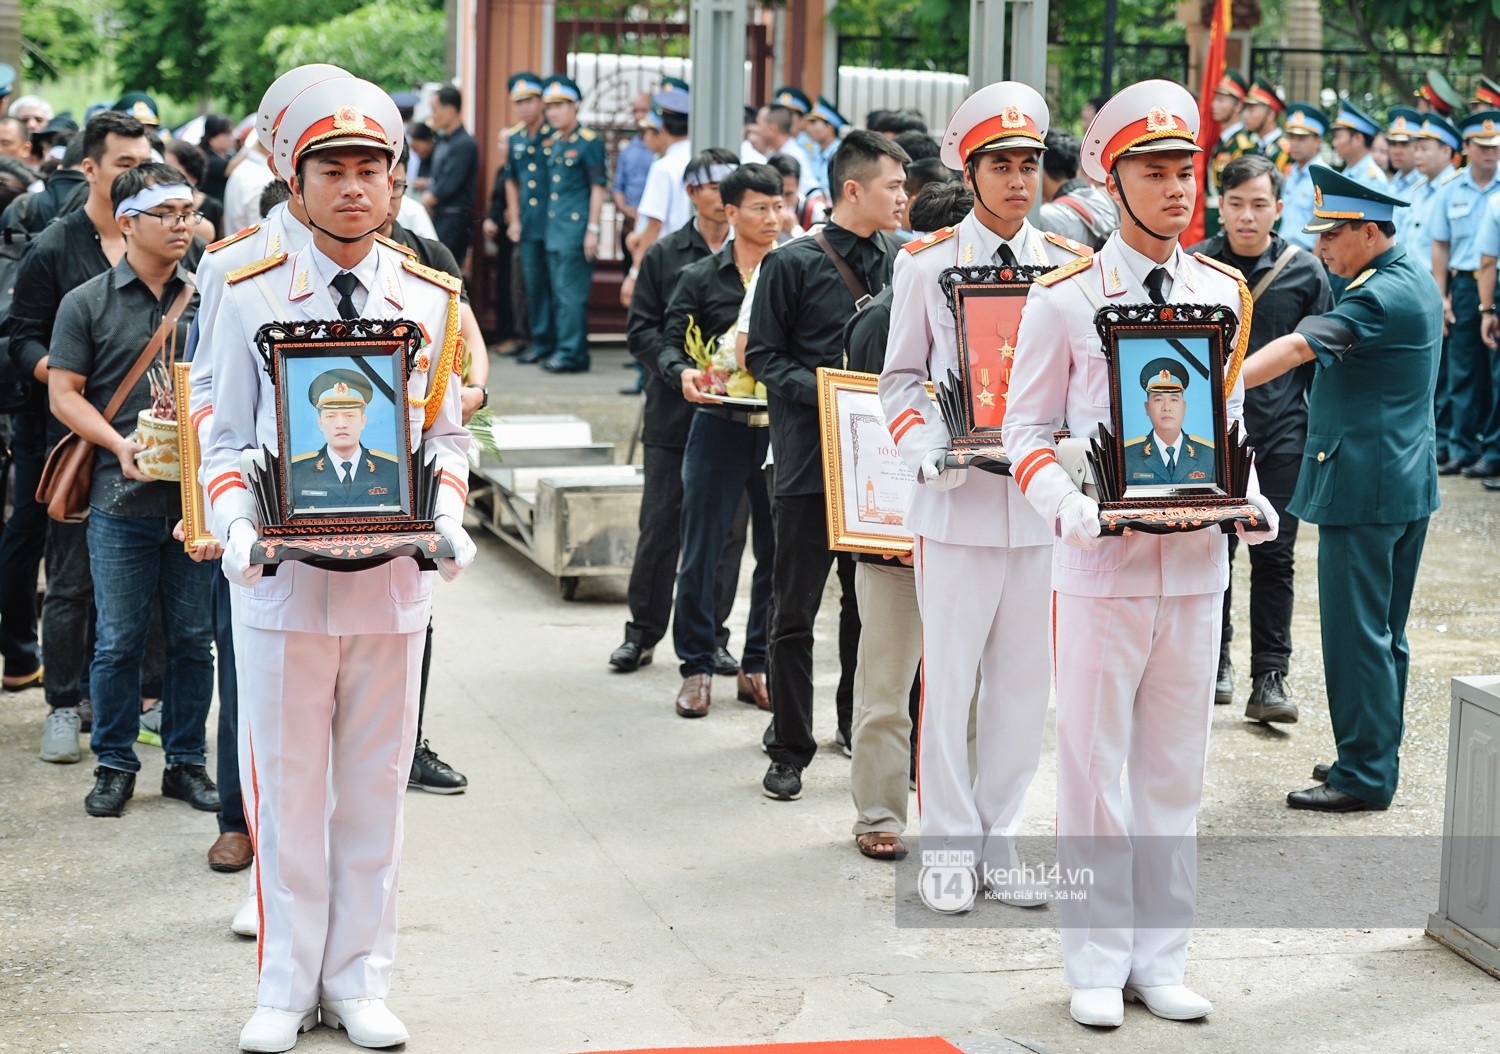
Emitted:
<point x="1371" y="452"/>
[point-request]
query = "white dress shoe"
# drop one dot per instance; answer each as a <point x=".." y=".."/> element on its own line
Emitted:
<point x="271" y="1030"/>
<point x="247" y="920"/>
<point x="367" y="1021"/>
<point x="1100" y="1007"/>
<point x="1171" y="1001"/>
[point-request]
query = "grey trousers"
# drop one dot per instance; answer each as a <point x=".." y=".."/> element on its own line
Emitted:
<point x="890" y="649"/>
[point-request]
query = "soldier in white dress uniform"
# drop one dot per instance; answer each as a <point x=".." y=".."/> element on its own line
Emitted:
<point x="328" y="774"/>
<point x="983" y="557"/>
<point x="1135" y="619"/>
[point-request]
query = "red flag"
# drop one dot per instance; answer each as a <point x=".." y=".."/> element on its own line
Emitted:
<point x="1208" y="128"/>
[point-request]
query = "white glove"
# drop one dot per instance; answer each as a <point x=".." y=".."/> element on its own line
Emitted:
<point x="1078" y="520"/>
<point x="1273" y="522"/>
<point x="935" y="473"/>
<point x="237" y="566"/>
<point x="464" y="549"/>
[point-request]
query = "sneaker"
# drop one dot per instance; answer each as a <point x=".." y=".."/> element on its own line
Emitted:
<point x="1268" y="700"/>
<point x="60" y="736"/>
<point x="150" y="732"/>
<point x="112" y="789"/>
<point x="431" y="773"/>
<point x="190" y="783"/>
<point x="1224" y="681"/>
<point x="845" y="740"/>
<point x="783" y="782"/>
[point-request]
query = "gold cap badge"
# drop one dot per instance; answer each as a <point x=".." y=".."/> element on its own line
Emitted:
<point x="1159" y="120"/>
<point x="348" y="119"/>
<point x="1010" y="117"/>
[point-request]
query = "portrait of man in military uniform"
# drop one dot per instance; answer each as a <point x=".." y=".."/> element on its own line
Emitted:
<point x="344" y="473"/>
<point x="1169" y="453"/>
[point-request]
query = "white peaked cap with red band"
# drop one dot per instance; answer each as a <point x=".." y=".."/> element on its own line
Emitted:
<point x="1006" y="115"/>
<point x="280" y="94"/>
<point x="343" y="111"/>
<point x="1149" y="117"/>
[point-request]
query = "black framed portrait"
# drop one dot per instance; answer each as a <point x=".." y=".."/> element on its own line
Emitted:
<point x="346" y="488"/>
<point x="1170" y="460"/>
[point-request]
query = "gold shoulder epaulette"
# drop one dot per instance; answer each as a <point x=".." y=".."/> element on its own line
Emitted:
<point x="1199" y="439"/>
<point x="222" y="242"/>
<point x="513" y="129"/>
<point x="392" y="243"/>
<point x="239" y="274"/>
<point x="304" y="457"/>
<point x="433" y="275"/>
<point x="587" y="133"/>
<point x="1229" y="269"/>
<point x="1366" y="273"/>
<point x="927" y="241"/>
<point x="383" y="454"/>
<point x="1452" y="173"/>
<point x="1077" y="248"/>
<point x="1067" y="270"/>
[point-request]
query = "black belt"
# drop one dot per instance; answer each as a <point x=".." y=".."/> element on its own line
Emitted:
<point x="749" y="418"/>
<point x="1464" y="274"/>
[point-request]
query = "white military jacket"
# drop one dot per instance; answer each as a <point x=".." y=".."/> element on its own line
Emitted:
<point x="987" y="508"/>
<point x="280" y="232"/>
<point x="1061" y="380"/>
<point x="394" y="597"/>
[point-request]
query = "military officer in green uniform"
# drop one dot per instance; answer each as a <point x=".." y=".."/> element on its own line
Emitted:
<point x="1369" y="475"/>
<point x="343" y="473"/>
<point x="576" y="187"/>
<point x="1167" y="455"/>
<point x="1228" y="105"/>
<point x="526" y="209"/>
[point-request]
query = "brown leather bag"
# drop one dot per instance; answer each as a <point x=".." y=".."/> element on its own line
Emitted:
<point x="69" y="473"/>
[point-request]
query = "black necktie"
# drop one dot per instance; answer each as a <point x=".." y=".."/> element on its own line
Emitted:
<point x="1154" y="282"/>
<point x="1171" y="461"/>
<point x="346" y="284"/>
<point x="348" y="465"/>
<point x="1007" y="258"/>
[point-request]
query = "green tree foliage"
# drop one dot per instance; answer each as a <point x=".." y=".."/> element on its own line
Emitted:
<point x="60" y="36"/>
<point x="394" y="45"/>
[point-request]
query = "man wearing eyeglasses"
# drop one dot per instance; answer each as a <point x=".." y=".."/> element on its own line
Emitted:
<point x="102" y="329"/>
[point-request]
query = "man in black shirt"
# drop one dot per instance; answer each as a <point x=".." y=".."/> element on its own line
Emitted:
<point x="664" y="431"/>
<point x="723" y="463"/>
<point x="455" y="172"/>
<point x="796" y="325"/>
<point x="80" y="245"/>
<point x="1275" y="417"/>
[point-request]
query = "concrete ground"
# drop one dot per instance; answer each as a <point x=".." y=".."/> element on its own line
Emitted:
<point x="614" y="878"/>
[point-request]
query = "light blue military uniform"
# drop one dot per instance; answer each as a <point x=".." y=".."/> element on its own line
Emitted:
<point x="1365" y="171"/>
<point x="822" y="110"/>
<point x="1297" y="191"/>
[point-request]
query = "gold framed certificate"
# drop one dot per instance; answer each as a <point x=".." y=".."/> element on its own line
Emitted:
<point x="194" y="530"/>
<point x="866" y="485"/>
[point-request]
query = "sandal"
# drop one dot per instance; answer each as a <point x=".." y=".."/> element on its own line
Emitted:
<point x="881" y="845"/>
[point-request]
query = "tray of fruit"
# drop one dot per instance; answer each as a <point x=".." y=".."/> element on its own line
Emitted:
<point x="723" y="379"/>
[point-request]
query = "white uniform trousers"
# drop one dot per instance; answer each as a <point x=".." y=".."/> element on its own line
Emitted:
<point x="327" y="732"/>
<point x="985" y="610"/>
<point x="1135" y="679"/>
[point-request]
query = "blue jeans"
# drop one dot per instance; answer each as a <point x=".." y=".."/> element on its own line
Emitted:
<point x="571" y="274"/>
<point x="722" y="462"/>
<point x="540" y="306"/>
<point x="131" y="556"/>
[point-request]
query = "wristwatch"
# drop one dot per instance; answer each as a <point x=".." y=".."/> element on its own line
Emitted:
<point x="485" y="391"/>
<point x="593" y="228"/>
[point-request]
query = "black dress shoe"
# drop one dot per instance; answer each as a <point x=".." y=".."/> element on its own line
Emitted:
<point x="190" y="783"/>
<point x="1324" y="798"/>
<point x="725" y="664"/>
<point x="556" y="365"/>
<point x="1320" y="773"/>
<point x="529" y="356"/>
<point x="1484" y="468"/>
<point x="434" y="775"/>
<point x="633" y="390"/>
<point x="1268" y="701"/>
<point x="630" y="656"/>
<point x="112" y="789"/>
<point x="1224" y="682"/>
<point x="1453" y="466"/>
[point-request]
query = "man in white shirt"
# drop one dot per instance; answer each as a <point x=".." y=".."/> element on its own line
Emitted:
<point x="242" y="189"/>
<point x="664" y="203"/>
